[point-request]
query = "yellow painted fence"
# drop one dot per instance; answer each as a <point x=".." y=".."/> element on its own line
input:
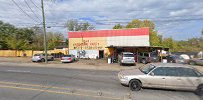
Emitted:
<point x="16" y="53"/>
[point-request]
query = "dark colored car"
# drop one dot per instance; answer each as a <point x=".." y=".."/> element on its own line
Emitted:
<point x="176" y="59"/>
<point x="147" y="57"/>
<point x="196" y="61"/>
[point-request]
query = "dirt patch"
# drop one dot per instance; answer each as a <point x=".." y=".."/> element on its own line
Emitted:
<point x="92" y="61"/>
<point x="97" y="64"/>
<point x="16" y="59"/>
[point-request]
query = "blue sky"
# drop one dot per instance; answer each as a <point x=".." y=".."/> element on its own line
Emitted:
<point x="179" y="19"/>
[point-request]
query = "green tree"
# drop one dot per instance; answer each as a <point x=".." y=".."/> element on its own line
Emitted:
<point x="19" y="39"/>
<point x="74" y="25"/>
<point x="190" y="45"/>
<point x="16" y="44"/>
<point x="24" y="38"/>
<point x="38" y="38"/>
<point x="14" y="38"/>
<point x="54" y="39"/>
<point x="118" y="26"/>
<point x="67" y="42"/>
<point x="135" y="24"/>
<point x="170" y="43"/>
<point x="6" y="30"/>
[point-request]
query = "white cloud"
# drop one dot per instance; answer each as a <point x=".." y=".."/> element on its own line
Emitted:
<point x="105" y="11"/>
<point x="179" y="12"/>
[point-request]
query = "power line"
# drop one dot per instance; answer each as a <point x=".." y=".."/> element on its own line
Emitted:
<point x="124" y="22"/>
<point x="113" y="22"/>
<point x="35" y="5"/>
<point x="116" y="22"/>
<point x="51" y="12"/>
<point x="110" y="11"/>
<point x="24" y="11"/>
<point x="32" y="10"/>
<point x="157" y="18"/>
<point x="152" y="18"/>
<point x="129" y="10"/>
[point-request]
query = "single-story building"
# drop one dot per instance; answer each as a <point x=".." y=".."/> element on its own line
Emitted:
<point x="103" y="43"/>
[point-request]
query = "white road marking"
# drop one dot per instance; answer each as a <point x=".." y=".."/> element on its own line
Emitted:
<point x="21" y="71"/>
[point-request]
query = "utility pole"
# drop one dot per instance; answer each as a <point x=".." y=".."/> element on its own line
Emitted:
<point x="44" y="30"/>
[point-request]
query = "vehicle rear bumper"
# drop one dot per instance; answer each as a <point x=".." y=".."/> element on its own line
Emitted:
<point x="66" y="60"/>
<point x="35" y="59"/>
<point x="128" y="62"/>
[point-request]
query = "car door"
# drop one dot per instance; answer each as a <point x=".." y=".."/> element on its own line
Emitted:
<point x="48" y="56"/>
<point x="156" y="78"/>
<point x="189" y="78"/>
<point x="172" y="80"/>
<point x="199" y="61"/>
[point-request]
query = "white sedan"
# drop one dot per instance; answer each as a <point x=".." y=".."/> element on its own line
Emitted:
<point x="68" y="58"/>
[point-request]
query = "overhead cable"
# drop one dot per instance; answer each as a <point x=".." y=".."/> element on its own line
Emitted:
<point x="32" y="10"/>
<point x="24" y="11"/>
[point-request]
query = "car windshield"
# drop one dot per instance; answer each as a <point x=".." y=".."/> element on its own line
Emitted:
<point x="153" y="54"/>
<point x="128" y="55"/>
<point x="37" y="55"/>
<point x="146" y="69"/>
<point x="199" y="73"/>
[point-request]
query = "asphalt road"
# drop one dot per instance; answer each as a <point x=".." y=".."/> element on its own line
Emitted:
<point x="30" y="83"/>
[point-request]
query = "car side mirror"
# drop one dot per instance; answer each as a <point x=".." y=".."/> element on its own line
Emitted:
<point x="152" y="74"/>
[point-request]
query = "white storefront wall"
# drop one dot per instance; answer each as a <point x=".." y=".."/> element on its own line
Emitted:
<point x="128" y="41"/>
<point x="85" y="53"/>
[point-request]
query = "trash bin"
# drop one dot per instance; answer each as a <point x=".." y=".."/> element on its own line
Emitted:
<point x="109" y="60"/>
<point x="24" y="54"/>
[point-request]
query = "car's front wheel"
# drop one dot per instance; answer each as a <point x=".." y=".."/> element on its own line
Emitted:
<point x="192" y="63"/>
<point x="199" y="90"/>
<point x="52" y="58"/>
<point x="144" y="61"/>
<point x="42" y="60"/>
<point x="121" y="64"/>
<point x="135" y="85"/>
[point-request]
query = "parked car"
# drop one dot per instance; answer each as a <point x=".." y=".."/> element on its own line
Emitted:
<point x="41" y="57"/>
<point x="196" y="61"/>
<point x="163" y="75"/>
<point x="177" y="59"/>
<point x="148" y="57"/>
<point x="126" y="58"/>
<point x="68" y="58"/>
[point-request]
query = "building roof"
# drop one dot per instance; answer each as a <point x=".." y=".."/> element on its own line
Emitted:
<point x="109" y="33"/>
